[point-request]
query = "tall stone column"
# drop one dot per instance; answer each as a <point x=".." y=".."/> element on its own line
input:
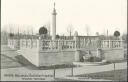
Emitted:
<point x="54" y="23"/>
<point x="77" y="51"/>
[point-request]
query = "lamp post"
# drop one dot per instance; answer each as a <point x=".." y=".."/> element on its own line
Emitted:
<point x="54" y="73"/>
<point x="114" y="70"/>
<point x="72" y="69"/>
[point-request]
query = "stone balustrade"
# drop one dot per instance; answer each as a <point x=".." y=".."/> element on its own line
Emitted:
<point x="111" y="43"/>
<point x="43" y="44"/>
<point x="45" y="52"/>
<point x="72" y="44"/>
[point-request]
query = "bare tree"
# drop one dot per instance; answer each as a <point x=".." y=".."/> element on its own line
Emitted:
<point x="70" y="29"/>
<point x="10" y="28"/>
<point x="32" y="30"/>
<point x="48" y="27"/>
<point x="124" y="37"/>
<point x="97" y="33"/>
<point x="5" y="28"/>
<point x="24" y="34"/>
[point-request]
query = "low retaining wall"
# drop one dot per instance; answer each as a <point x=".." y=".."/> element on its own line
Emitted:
<point x="47" y="58"/>
<point x="113" y="54"/>
<point x="55" y="57"/>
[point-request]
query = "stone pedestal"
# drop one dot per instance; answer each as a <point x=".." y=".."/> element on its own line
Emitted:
<point x="77" y="55"/>
<point x="98" y="53"/>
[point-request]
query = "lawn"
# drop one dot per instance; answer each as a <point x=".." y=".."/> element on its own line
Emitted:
<point x="118" y="75"/>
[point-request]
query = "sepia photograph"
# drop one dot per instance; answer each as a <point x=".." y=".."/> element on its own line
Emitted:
<point x="63" y="40"/>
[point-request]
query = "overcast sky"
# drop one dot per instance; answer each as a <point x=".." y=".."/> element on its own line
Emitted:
<point x="98" y="15"/>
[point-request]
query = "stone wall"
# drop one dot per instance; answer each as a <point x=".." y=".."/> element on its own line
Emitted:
<point x="31" y="55"/>
<point x="113" y="54"/>
<point x="56" y="58"/>
<point x="47" y="58"/>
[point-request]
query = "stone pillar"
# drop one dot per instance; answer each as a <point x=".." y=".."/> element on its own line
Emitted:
<point x="18" y="44"/>
<point x="109" y="43"/>
<point x="102" y="44"/>
<point x="32" y="43"/>
<point x="39" y="43"/>
<point x="26" y="42"/>
<point x="98" y="53"/>
<point x="59" y="45"/>
<point x="76" y="39"/>
<point x="121" y="43"/>
<point x="77" y="55"/>
<point x="54" y="23"/>
<point x="77" y="52"/>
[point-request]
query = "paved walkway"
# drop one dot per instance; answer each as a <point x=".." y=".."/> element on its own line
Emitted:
<point x="60" y="73"/>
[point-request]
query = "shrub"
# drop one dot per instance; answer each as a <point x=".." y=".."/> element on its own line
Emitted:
<point x="43" y="30"/>
<point x="116" y="33"/>
<point x="57" y="36"/>
<point x="11" y="35"/>
<point x="81" y="59"/>
<point x="94" y="59"/>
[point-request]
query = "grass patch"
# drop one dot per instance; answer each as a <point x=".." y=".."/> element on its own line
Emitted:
<point x="118" y="75"/>
<point x="8" y="62"/>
